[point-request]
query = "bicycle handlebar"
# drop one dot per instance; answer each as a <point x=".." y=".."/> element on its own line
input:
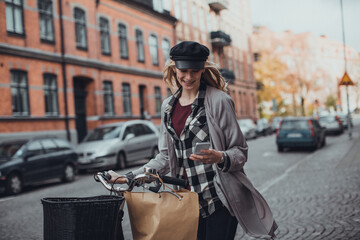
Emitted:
<point x="147" y="177"/>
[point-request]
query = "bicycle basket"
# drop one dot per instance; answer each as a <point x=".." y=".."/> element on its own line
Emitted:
<point x="87" y="218"/>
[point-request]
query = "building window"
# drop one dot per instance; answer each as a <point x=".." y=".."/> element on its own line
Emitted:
<point x="126" y="98"/>
<point x="15" y="16"/>
<point x="124" y="52"/>
<point x="157" y="100"/>
<point x="154" y="49"/>
<point x="184" y="11"/>
<point x="45" y="8"/>
<point x="105" y="36"/>
<point x="80" y="29"/>
<point x="108" y="98"/>
<point x="51" y="94"/>
<point x="165" y="45"/>
<point x="194" y="15"/>
<point x="19" y="93"/>
<point x="140" y="45"/>
<point x="158" y="6"/>
<point x="177" y="9"/>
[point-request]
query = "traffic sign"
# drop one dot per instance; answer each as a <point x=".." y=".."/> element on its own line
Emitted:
<point x="346" y="81"/>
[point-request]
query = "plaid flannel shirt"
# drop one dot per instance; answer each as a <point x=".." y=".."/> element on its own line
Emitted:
<point x="196" y="129"/>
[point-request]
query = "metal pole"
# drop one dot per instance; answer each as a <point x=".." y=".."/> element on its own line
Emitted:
<point x="347" y="91"/>
<point x="63" y="70"/>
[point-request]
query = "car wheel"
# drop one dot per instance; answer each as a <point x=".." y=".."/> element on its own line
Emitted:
<point x="14" y="184"/>
<point x="121" y="161"/>
<point x="323" y="142"/>
<point x="280" y="149"/>
<point x="155" y="152"/>
<point x="69" y="173"/>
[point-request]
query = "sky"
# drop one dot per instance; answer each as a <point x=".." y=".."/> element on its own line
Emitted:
<point x="322" y="17"/>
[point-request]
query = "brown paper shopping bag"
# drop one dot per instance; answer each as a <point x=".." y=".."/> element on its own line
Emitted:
<point x="162" y="216"/>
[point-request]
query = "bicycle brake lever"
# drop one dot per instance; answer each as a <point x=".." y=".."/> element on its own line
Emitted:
<point x="157" y="186"/>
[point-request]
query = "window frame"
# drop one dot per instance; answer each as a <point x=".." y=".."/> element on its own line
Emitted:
<point x="158" y="99"/>
<point x="154" y="49"/>
<point x="54" y="92"/>
<point x="80" y="25"/>
<point x="139" y="36"/>
<point x="104" y="27"/>
<point x="126" y="95"/>
<point x="123" y="41"/>
<point x="18" y="86"/>
<point x="166" y="50"/>
<point x="108" y="96"/>
<point x="10" y="4"/>
<point x="47" y="17"/>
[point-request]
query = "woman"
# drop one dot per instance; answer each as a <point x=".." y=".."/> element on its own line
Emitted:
<point x="201" y="111"/>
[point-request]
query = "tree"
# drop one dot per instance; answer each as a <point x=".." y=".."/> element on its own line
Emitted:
<point x="270" y="75"/>
<point x="330" y="102"/>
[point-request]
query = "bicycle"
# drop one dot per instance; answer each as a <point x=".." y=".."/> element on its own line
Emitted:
<point x="98" y="217"/>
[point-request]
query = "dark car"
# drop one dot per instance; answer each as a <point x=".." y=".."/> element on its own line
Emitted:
<point x="24" y="162"/>
<point x="332" y="123"/>
<point x="344" y="119"/>
<point x="300" y="133"/>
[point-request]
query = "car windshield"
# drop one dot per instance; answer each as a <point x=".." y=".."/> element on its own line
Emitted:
<point x="326" y="119"/>
<point x="104" y="133"/>
<point x="295" y="124"/>
<point x="8" y="150"/>
<point x="245" y="123"/>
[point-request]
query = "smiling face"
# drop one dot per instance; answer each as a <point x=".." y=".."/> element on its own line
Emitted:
<point x="189" y="78"/>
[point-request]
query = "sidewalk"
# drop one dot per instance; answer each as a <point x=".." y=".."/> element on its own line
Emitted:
<point x="320" y="198"/>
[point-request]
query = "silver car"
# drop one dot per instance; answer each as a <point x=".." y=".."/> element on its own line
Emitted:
<point x="248" y="128"/>
<point x="118" y="145"/>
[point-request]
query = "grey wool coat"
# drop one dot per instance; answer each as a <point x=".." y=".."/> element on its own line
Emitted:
<point x="233" y="187"/>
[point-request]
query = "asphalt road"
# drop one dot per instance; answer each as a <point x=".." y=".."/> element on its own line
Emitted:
<point x="313" y="195"/>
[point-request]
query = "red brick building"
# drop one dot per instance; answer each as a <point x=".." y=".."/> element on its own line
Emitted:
<point x="70" y="65"/>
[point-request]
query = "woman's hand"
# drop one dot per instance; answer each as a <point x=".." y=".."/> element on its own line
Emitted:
<point x="209" y="156"/>
<point x="116" y="177"/>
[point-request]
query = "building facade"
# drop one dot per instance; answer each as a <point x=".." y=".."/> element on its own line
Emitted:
<point x="68" y="66"/>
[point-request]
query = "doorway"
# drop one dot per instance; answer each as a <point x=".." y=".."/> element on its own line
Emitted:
<point x="142" y="90"/>
<point x="80" y="94"/>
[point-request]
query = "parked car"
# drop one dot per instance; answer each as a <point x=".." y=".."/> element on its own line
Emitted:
<point x="300" y="133"/>
<point x="275" y="123"/>
<point x="24" y="162"/>
<point x="344" y="119"/>
<point x="263" y="128"/>
<point x="118" y="145"/>
<point x="332" y="123"/>
<point x="248" y="128"/>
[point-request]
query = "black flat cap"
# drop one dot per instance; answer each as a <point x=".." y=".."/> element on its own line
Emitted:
<point x="189" y="55"/>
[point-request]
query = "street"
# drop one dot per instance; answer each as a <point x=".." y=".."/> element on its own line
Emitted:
<point x="313" y="195"/>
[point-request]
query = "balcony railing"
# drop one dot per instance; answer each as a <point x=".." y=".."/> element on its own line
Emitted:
<point x="228" y="75"/>
<point x="218" y="5"/>
<point x="219" y="38"/>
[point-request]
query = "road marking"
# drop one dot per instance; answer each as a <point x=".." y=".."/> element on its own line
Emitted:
<point x="267" y="154"/>
<point x="6" y="199"/>
<point x="263" y="188"/>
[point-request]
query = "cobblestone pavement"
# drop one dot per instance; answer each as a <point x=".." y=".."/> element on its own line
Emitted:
<point x="319" y="197"/>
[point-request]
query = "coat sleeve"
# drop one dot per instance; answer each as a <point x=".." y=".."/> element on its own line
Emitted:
<point x="229" y="136"/>
<point x="161" y="161"/>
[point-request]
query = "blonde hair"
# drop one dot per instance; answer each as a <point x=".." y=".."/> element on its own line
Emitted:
<point x="211" y="76"/>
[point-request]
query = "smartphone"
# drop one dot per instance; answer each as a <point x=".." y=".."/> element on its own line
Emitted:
<point x="201" y="145"/>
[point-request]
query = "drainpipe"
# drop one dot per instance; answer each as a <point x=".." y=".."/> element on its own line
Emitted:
<point x="63" y="69"/>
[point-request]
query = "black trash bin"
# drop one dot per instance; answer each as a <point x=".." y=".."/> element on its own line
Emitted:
<point x="95" y="218"/>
